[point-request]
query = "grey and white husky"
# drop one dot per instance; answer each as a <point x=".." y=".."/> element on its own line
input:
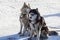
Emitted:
<point x="36" y="22"/>
<point x="24" y="22"/>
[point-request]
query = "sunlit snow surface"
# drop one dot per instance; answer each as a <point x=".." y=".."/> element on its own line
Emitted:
<point x="10" y="12"/>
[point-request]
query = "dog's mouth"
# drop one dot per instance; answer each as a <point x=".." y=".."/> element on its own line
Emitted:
<point x="24" y="14"/>
<point x="30" y="17"/>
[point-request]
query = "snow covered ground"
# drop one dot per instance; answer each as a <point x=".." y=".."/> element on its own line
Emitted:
<point x="10" y="12"/>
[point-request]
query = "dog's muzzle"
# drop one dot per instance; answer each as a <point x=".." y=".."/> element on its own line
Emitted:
<point x="24" y="14"/>
<point x="30" y="17"/>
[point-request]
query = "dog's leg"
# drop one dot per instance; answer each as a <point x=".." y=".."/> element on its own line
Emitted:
<point x="30" y="34"/>
<point x="39" y="32"/>
<point x="24" y="29"/>
<point x="32" y="29"/>
<point x="37" y="35"/>
<point x="20" y="27"/>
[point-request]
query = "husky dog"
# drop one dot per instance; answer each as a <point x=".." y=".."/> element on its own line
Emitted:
<point x="24" y="22"/>
<point x="36" y="22"/>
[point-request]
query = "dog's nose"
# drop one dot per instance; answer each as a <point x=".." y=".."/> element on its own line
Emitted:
<point x="30" y="17"/>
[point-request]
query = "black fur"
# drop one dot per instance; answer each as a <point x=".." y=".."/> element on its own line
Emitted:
<point x="41" y="21"/>
<point x="44" y="28"/>
<point x="35" y="12"/>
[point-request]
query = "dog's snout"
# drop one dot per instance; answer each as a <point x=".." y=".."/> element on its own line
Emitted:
<point x="30" y="17"/>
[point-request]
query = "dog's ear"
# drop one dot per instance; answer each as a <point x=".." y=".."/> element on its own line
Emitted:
<point x="28" y="5"/>
<point x="23" y="6"/>
<point x="24" y="3"/>
<point x="36" y="9"/>
<point x="21" y="9"/>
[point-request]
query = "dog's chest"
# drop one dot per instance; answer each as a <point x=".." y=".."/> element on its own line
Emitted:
<point x="34" y="26"/>
<point x="24" y="19"/>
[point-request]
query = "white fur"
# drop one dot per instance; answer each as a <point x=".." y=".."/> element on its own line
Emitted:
<point x="32" y="16"/>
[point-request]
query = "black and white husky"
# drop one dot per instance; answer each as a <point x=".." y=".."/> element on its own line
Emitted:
<point x="36" y="22"/>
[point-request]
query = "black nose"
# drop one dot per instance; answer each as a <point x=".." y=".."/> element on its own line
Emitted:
<point x="30" y="17"/>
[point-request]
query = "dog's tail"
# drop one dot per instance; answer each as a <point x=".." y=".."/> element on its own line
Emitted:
<point x="52" y="33"/>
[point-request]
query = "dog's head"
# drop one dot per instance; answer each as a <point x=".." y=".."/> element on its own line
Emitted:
<point x="34" y="14"/>
<point x="26" y="8"/>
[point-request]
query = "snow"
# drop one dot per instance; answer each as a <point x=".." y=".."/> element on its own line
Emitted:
<point x="17" y="37"/>
<point x="10" y="12"/>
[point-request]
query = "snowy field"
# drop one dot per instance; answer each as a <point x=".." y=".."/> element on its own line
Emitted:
<point x="10" y="12"/>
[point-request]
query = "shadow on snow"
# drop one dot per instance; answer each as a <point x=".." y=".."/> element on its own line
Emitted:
<point x="17" y="37"/>
<point x="51" y="15"/>
<point x="13" y="37"/>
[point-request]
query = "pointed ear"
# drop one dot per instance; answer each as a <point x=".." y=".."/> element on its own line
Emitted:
<point x="36" y="9"/>
<point x="24" y="3"/>
<point x="23" y="6"/>
<point x="28" y="5"/>
<point x="21" y="9"/>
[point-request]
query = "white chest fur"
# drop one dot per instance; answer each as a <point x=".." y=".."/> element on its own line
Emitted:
<point x="34" y="26"/>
